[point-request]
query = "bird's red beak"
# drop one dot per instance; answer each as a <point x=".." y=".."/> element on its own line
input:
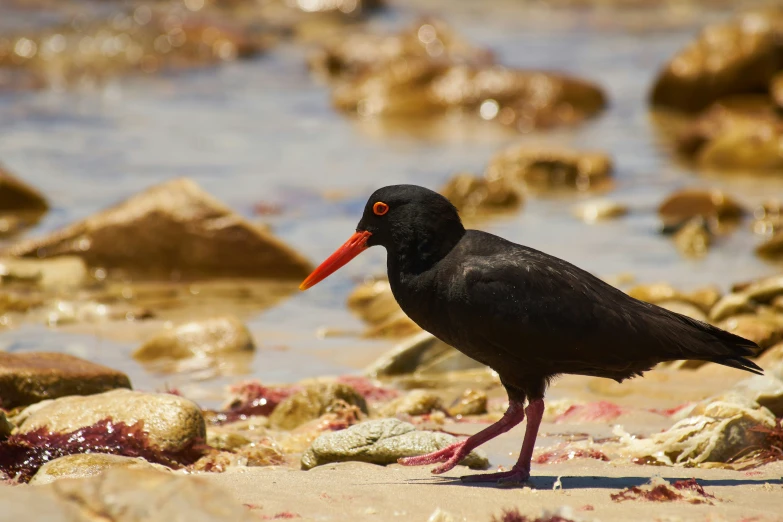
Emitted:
<point x="352" y="248"/>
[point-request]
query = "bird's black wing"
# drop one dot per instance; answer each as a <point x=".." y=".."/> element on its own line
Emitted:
<point x="543" y="311"/>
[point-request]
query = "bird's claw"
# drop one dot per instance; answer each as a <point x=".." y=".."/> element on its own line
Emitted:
<point x="450" y="456"/>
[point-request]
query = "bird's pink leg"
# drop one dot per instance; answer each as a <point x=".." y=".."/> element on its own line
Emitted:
<point x="453" y="455"/>
<point x="521" y="470"/>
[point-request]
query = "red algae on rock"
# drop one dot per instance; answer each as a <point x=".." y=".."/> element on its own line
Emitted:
<point x="368" y="389"/>
<point x="661" y="491"/>
<point x="562" y="453"/>
<point x="22" y="454"/>
<point x="772" y="449"/>
<point x="250" y="398"/>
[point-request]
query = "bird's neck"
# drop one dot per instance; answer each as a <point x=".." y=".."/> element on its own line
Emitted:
<point x="417" y="250"/>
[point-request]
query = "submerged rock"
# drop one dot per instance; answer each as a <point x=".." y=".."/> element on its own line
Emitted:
<point x="171" y="422"/>
<point x="381" y="442"/>
<point x="541" y="169"/>
<point x="59" y="273"/>
<point x="127" y="495"/>
<point x="768" y="218"/>
<point x="771" y="248"/>
<point x="693" y="239"/>
<point x="374" y="303"/>
<point x="28" y="378"/>
<point x="477" y="195"/>
<point x="88" y="465"/>
<point x="18" y="197"/>
<point x="204" y="339"/>
<point x="684" y="205"/>
<point x="312" y="402"/>
<point x="720" y="432"/>
<point x="738" y="56"/>
<point x="354" y="54"/>
<point x="735" y="134"/>
<point x="172" y="230"/>
<point x="599" y="210"/>
<point x="421" y="354"/>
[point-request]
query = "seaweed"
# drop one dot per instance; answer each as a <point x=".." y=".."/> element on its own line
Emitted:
<point x="367" y="389"/>
<point x="771" y="449"/>
<point x="280" y="516"/>
<point x="250" y="398"/>
<point x="22" y="454"/>
<point x="513" y="515"/>
<point x="662" y="491"/>
<point x="563" y="454"/>
<point x="591" y="412"/>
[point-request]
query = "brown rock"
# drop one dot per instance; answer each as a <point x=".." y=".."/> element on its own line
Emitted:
<point x="124" y="495"/>
<point x="684" y="308"/>
<point x="764" y="331"/>
<point x="693" y="239"/>
<point x="599" y="210"/>
<point x="374" y="303"/>
<point x="5" y="426"/>
<point x="27" y="378"/>
<point x="656" y="293"/>
<point x="207" y="338"/>
<point x="471" y="402"/>
<point x="171" y="422"/>
<point x="735" y="134"/>
<point x="16" y="196"/>
<point x="684" y="205"/>
<point x="88" y="465"/>
<point x="735" y="57"/>
<point x="771" y="248"/>
<point x="172" y="230"/>
<point x="415" y="402"/>
<point x="768" y="218"/>
<point x="548" y="169"/>
<point x="476" y="195"/>
<point x="312" y="402"/>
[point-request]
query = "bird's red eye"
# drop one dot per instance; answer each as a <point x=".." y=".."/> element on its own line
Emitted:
<point x="380" y="208"/>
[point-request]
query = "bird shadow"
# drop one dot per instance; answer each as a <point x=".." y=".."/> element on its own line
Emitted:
<point x="546" y="482"/>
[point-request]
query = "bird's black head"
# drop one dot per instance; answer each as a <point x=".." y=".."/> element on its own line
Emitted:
<point x="416" y="226"/>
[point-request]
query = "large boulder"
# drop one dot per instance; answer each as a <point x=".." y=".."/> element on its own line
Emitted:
<point x="124" y="495"/>
<point x="27" y="378"/>
<point x="88" y="465"/>
<point x="171" y="422"/>
<point x="172" y="230"/>
<point x="735" y="57"/>
<point x="382" y="442"/>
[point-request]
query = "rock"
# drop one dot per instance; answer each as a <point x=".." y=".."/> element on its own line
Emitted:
<point x="693" y="239"/>
<point x="422" y="88"/>
<point x="684" y="308"/>
<point x="763" y="331"/>
<point x="718" y="433"/>
<point x="225" y="440"/>
<point x="599" y="210"/>
<point x="551" y="168"/>
<point x="124" y="495"/>
<point x="471" y="402"/>
<point x="766" y="390"/>
<point x="415" y="402"/>
<point x="18" y="197"/>
<point x="421" y="354"/>
<point x="475" y="195"/>
<point x="729" y="305"/>
<point x="58" y="273"/>
<point x="771" y="357"/>
<point x="203" y="339"/>
<point x="171" y="422"/>
<point x="771" y="248"/>
<point x="312" y="402"/>
<point x="735" y="57"/>
<point x="764" y="290"/>
<point x="374" y="303"/>
<point x="172" y="230"/>
<point x="685" y="205"/>
<point x="354" y="54"/>
<point x="657" y="293"/>
<point x="18" y="302"/>
<point x="88" y="465"/>
<point x="768" y="218"/>
<point x="381" y="442"/>
<point x="734" y="134"/>
<point x="27" y="378"/>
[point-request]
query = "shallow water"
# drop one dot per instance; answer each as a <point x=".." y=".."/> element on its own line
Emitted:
<point x="263" y="131"/>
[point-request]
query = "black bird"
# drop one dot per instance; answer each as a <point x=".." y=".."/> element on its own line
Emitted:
<point x="527" y="315"/>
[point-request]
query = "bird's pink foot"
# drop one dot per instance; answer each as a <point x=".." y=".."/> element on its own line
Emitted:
<point x="514" y="476"/>
<point x="446" y="455"/>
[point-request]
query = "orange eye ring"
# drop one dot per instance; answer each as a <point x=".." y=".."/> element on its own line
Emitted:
<point x="380" y="208"/>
